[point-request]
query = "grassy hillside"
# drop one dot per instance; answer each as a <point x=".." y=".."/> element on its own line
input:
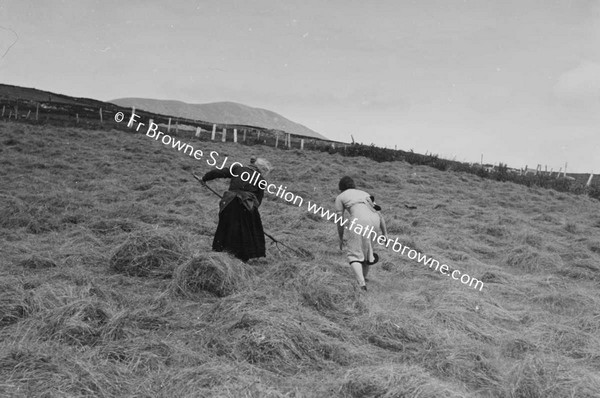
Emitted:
<point x="108" y="286"/>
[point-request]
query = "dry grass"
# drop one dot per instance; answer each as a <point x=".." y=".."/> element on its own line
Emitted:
<point x="108" y="286"/>
<point x="217" y="273"/>
<point x="150" y="253"/>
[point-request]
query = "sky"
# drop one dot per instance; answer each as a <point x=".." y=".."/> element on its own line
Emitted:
<point x="514" y="81"/>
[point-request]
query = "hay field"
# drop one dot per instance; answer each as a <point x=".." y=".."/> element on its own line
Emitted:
<point x="108" y="287"/>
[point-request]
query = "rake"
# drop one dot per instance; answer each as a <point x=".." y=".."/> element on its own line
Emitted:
<point x="300" y="252"/>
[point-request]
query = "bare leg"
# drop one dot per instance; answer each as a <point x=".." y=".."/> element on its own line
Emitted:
<point x="365" y="270"/>
<point x="358" y="271"/>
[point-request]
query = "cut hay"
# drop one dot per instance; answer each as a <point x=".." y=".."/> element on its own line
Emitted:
<point x="217" y="273"/>
<point x="83" y="322"/>
<point x="138" y="354"/>
<point x="273" y="335"/>
<point x="36" y="262"/>
<point x="148" y="253"/>
<point x="394" y="380"/>
<point x="529" y="260"/>
<point x="13" y="302"/>
<point x="400" y="334"/>
<point x="547" y="377"/>
<point x="14" y="213"/>
<point x="328" y="292"/>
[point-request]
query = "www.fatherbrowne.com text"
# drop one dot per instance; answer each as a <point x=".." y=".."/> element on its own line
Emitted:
<point x="290" y="197"/>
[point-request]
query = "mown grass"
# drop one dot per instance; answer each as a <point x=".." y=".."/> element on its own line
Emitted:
<point x="109" y="288"/>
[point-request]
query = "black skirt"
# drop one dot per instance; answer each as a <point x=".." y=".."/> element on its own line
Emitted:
<point x="240" y="231"/>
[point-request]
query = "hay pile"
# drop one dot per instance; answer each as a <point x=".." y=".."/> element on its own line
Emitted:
<point x="274" y="335"/>
<point x="217" y="273"/>
<point x="148" y="253"/>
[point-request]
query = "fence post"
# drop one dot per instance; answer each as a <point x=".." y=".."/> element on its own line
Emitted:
<point x="77" y="117"/>
<point x="130" y="123"/>
<point x="244" y="135"/>
<point x="176" y="126"/>
<point x="9" y="115"/>
<point x="565" y="173"/>
<point x="198" y="130"/>
<point x="258" y="135"/>
<point x="589" y="182"/>
<point x="301" y="144"/>
<point x="3" y="110"/>
<point x="214" y="131"/>
<point x="276" y="139"/>
<point x="28" y="113"/>
<point x="235" y="135"/>
<point x="223" y="137"/>
<point x="101" y="121"/>
<point x="37" y="109"/>
<point x="169" y="126"/>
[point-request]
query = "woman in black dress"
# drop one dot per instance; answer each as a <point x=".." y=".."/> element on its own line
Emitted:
<point x="240" y="229"/>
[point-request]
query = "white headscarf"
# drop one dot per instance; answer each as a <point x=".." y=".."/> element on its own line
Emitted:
<point x="264" y="166"/>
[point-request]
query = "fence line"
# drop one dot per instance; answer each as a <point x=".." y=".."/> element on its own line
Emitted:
<point x="89" y="115"/>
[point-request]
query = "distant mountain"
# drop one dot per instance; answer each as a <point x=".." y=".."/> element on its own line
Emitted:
<point x="220" y="112"/>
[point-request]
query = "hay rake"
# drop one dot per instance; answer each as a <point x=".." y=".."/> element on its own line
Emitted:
<point x="299" y="252"/>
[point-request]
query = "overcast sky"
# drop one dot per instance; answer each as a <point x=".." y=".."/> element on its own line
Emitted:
<point x="516" y="80"/>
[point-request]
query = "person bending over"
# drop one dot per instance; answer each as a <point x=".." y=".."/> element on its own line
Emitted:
<point x="361" y="208"/>
<point x="240" y="230"/>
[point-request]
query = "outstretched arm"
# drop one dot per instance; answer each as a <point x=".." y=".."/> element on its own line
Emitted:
<point x="216" y="173"/>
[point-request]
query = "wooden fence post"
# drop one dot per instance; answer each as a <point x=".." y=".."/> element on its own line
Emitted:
<point x="37" y="109"/>
<point x="101" y="121"/>
<point x="301" y="144"/>
<point x="77" y="117"/>
<point x="9" y="115"/>
<point x="589" y="182"/>
<point x="244" y="135"/>
<point x="198" y="130"/>
<point x="258" y="135"/>
<point x="3" y="110"/>
<point x="130" y="122"/>
<point x="169" y="126"/>
<point x="276" y="139"/>
<point x="235" y="135"/>
<point x="176" y="125"/>
<point x="28" y="113"/>
<point x="214" y="131"/>
<point x="223" y="137"/>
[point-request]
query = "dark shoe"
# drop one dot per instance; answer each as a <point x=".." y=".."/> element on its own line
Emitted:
<point x="364" y="288"/>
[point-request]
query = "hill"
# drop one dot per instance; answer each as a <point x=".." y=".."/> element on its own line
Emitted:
<point x="220" y="112"/>
<point x="103" y="235"/>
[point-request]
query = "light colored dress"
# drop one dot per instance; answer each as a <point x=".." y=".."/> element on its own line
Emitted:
<point x="358" y="203"/>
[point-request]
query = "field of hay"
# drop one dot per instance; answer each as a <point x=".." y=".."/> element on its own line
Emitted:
<point x="108" y="286"/>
